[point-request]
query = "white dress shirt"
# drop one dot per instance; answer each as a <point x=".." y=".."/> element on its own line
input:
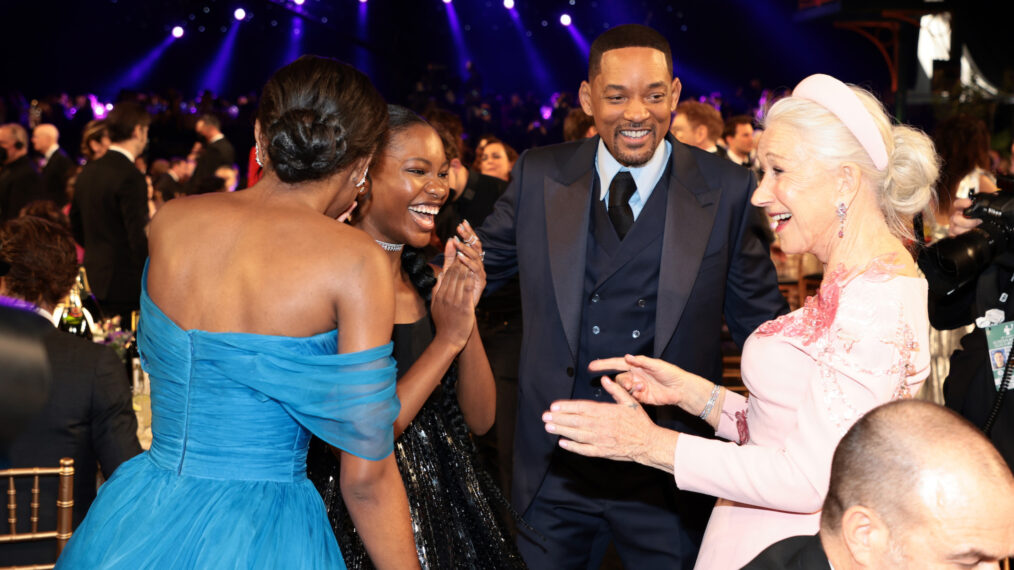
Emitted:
<point x="645" y="176"/>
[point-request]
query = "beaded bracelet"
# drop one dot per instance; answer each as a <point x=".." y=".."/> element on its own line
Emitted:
<point x="711" y="403"/>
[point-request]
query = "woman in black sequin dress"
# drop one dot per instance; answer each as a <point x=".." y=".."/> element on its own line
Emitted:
<point x="445" y="384"/>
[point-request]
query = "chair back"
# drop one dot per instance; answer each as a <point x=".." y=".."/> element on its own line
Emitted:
<point x="64" y="506"/>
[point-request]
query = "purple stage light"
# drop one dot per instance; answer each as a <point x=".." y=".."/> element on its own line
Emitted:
<point x="299" y="2"/>
<point x="177" y="31"/>
<point x="509" y="4"/>
<point x="565" y="19"/>
<point x="239" y="13"/>
<point x="447" y="1"/>
<point x="362" y="1"/>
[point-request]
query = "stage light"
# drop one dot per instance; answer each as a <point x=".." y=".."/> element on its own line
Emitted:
<point x="362" y="1"/>
<point x="447" y="1"/>
<point x="299" y="2"/>
<point x="239" y="13"/>
<point x="509" y="4"/>
<point x="565" y="19"/>
<point x="178" y="31"/>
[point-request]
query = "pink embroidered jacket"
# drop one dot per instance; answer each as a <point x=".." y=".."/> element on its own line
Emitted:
<point x="862" y="341"/>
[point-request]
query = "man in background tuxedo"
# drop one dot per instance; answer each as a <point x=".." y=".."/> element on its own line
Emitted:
<point x="172" y="184"/>
<point x="626" y="242"/>
<point x="19" y="181"/>
<point x="216" y="150"/>
<point x="109" y="213"/>
<point x="88" y="415"/>
<point x="738" y="137"/>
<point x="913" y="486"/>
<point x="57" y="167"/>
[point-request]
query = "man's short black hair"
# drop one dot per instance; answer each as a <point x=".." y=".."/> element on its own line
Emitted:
<point x="627" y="35"/>
<point x="732" y="125"/>
<point x="211" y="120"/>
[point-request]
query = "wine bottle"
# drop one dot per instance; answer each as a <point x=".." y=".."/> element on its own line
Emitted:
<point x="74" y="320"/>
<point x="88" y="300"/>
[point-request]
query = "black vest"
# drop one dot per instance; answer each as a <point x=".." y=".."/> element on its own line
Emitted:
<point x="620" y="287"/>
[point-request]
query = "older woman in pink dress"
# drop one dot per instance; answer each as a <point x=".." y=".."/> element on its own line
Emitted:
<point x="842" y="183"/>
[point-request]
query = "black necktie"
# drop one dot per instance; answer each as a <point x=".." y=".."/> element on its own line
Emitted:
<point x="620" y="190"/>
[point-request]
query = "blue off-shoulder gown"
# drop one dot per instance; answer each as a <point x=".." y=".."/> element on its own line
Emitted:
<point x="224" y="484"/>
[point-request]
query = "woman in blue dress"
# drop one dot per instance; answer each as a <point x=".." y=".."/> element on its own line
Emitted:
<point x="263" y="320"/>
<point x="444" y="379"/>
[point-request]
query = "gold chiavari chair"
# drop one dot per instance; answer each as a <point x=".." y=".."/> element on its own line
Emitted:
<point x="64" y="507"/>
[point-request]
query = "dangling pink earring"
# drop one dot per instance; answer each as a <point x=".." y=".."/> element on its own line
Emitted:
<point x="842" y="209"/>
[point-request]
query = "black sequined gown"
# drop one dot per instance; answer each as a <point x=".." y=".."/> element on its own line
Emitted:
<point x="458" y="512"/>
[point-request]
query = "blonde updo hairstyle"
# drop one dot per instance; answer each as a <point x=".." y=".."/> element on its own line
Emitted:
<point x="903" y="189"/>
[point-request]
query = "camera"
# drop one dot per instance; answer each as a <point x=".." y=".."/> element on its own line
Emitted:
<point x="953" y="262"/>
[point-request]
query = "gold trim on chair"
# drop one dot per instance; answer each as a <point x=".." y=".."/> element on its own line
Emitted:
<point x="64" y="507"/>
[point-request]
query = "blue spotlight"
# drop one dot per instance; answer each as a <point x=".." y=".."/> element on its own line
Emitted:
<point x="362" y="54"/>
<point x="216" y="74"/>
<point x="579" y="41"/>
<point x="295" y="40"/>
<point x="136" y="74"/>
<point x="177" y="32"/>
<point x="509" y="4"/>
<point x="534" y="61"/>
<point x="239" y="14"/>
<point x="457" y="36"/>
<point x="565" y="19"/>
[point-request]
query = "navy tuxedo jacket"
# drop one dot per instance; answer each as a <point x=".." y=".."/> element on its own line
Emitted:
<point x="713" y="263"/>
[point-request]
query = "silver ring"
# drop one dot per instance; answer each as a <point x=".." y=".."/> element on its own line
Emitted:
<point x="471" y="241"/>
<point x="482" y="256"/>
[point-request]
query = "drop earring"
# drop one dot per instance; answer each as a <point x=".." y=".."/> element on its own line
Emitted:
<point x="842" y="210"/>
<point x="257" y="155"/>
<point x="362" y="181"/>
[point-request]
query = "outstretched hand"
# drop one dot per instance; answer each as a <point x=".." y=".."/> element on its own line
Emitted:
<point x="619" y="431"/>
<point x="649" y="380"/>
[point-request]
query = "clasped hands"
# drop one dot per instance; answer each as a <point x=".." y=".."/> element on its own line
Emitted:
<point x="623" y="431"/>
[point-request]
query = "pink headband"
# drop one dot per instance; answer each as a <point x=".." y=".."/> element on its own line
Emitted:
<point x="838" y="98"/>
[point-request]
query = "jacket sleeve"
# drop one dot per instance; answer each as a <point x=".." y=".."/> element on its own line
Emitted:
<point x="132" y="196"/>
<point x="499" y="232"/>
<point x="752" y="296"/>
<point x="113" y="423"/>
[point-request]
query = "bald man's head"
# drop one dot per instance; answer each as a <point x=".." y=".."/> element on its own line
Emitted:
<point x="44" y="136"/>
<point x="914" y="485"/>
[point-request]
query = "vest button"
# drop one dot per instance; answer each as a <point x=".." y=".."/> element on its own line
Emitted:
<point x="570" y="371"/>
<point x="595" y="298"/>
<point x="641" y="303"/>
<point x="636" y="333"/>
<point x="596" y="329"/>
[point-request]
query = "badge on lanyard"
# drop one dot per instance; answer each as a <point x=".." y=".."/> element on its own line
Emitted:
<point x="998" y="341"/>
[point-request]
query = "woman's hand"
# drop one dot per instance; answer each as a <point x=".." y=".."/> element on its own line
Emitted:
<point x="469" y="253"/>
<point x="451" y="306"/>
<point x="650" y="380"/>
<point x="620" y="431"/>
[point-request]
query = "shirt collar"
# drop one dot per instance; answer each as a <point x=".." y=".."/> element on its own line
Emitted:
<point x="130" y="156"/>
<point x="216" y="138"/>
<point x="173" y="176"/>
<point x="51" y="151"/>
<point x="46" y="315"/>
<point x="645" y="176"/>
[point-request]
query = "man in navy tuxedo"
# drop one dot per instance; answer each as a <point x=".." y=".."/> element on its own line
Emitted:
<point x="626" y="242"/>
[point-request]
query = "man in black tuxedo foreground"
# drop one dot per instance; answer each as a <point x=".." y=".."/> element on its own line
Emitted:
<point x="109" y="213"/>
<point x="88" y="415"/>
<point x="913" y="486"/>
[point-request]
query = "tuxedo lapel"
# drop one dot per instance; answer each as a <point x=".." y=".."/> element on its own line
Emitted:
<point x="690" y="214"/>
<point x="567" y="217"/>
